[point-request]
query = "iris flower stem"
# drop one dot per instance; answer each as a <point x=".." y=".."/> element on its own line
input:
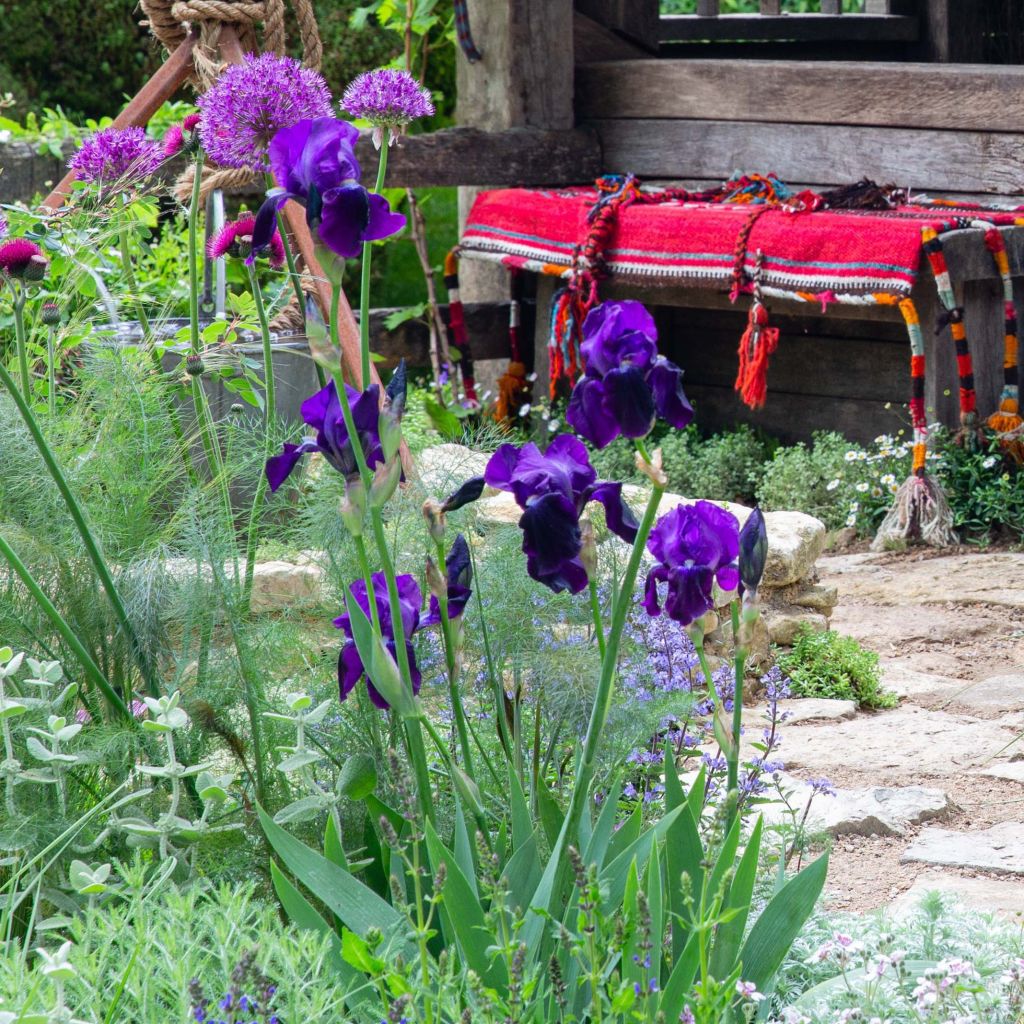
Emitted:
<point x="451" y="661"/>
<point x="364" y="282"/>
<point x="21" y="341"/>
<point x="88" y="540"/>
<point x="595" y="609"/>
<point x="89" y="667"/>
<point x="413" y="729"/>
<point x="737" y="710"/>
<point x="252" y="535"/>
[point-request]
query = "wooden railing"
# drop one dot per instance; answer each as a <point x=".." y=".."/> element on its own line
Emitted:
<point x="881" y="21"/>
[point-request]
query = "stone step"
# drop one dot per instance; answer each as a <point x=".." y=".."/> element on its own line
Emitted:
<point x="999" y="849"/>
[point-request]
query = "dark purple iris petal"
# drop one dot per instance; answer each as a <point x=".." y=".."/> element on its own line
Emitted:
<point x="629" y="402"/>
<point x="671" y="403"/>
<point x="314" y="152"/>
<point x="618" y="515"/>
<point x="383" y="222"/>
<point x="279" y="467"/>
<point x="626" y="383"/>
<point x="551" y="531"/>
<point x="695" y="547"/>
<point x="459" y="572"/>
<point x="345" y="214"/>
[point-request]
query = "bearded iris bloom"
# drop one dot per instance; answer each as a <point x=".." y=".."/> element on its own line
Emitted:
<point x="627" y="385"/>
<point x="314" y="163"/>
<point x="323" y="413"/>
<point x="552" y="489"/>
<point x="350" y="665"/>
<point x="695" y="546"/>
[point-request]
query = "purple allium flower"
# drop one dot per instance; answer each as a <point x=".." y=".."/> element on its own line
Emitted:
<point x="753" y="552"/>
<point x="181" y="136"/>
<point x="22" y="259"/>
<point x="235" y="239"/>
<point x="117" y="154"/>
<point x="322" y="411"/>
<point x="627" y="385"/>
<point x="3" y="225"/>
<point x="552" y="489"/>
<point x="314" y="163"/>
<point x="459" y="572"/>
<point x="350" y="665"/>
<point x="696" y="546"/>
<point x="251" y="102"/>
<point x="388" y="99"/>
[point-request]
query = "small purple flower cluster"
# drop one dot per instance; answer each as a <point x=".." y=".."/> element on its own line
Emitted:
<point x="124" y="155"/>
<point x="247" y="1001"/>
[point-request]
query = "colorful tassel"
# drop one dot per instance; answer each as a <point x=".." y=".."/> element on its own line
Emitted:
<point x="759" y="341"/>
<point x="513" y="387"/>
<point x="458" y="334"/>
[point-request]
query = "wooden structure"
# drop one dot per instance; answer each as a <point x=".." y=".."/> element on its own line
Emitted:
<point x="897" y="93"/>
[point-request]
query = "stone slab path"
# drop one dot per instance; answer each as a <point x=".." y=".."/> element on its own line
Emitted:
<point x="931" y="793"/>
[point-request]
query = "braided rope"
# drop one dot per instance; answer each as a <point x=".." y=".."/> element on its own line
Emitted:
<point x="227" y="179"/>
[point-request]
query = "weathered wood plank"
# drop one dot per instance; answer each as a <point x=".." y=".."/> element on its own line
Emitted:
<point x="634" y="19"/>
<point x="820" y="92"/>
<point x="951" y="30"/>
<point x="922" y="159"/>
<point x="801" y="27"/>
<point x="593" y="42"/>
<point x="708" y="8"/>
<point x="471" y="156"/>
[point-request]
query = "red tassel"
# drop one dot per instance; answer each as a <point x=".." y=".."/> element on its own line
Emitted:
<point x="759" y="341"/>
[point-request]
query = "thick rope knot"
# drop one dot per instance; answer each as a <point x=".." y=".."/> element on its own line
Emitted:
<point x="170" y="21"/>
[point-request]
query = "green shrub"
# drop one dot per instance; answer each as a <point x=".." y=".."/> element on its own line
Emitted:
<point x="835" y="667"/>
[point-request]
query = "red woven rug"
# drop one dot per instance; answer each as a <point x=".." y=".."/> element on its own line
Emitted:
<point x="833" y="256"/>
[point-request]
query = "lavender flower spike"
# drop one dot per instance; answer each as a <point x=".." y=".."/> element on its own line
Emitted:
<point x="251" y="102"/>
<point x="117" y="154"/>
<point x="389" y="99"/>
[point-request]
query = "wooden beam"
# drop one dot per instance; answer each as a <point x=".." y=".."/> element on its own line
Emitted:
<point x="636" y="20"/>
<point x="815" y="92"/>
<point x="951" y="30"/>
<point x="920" y="159"/>
<point x="802" y="27"/>
<point x="594" y="42"/>
<point x="470" y="156"/>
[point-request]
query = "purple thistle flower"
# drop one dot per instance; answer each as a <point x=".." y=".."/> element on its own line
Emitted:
<point x="22" y="258"/>
<point x="552" y="489"/>
<point x="459" y="573"/>
<point x="388" y="99"/>
<point x="235" y="239"/>
<point x="627" y="385"/>
<point x="181" y="136"/>
<point x="350" y="665"/>
<point x="117" y="154"/>
<point x="695" y="546"/>
<point x="251" y="102"/>
<point x="314" y="162"/>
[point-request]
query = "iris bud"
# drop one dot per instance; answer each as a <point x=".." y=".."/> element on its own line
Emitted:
<point x="353" y="507"/>
<point x="390" y="426"/>
<point x="652" y="470"/>
<point x="588" y="548"/>
<point x="435" y="581"/>
<point x="469" y="491"/>
<point x="385" y="482"/>
<point x="753" y="552"/>
<point x="320" y="347"/>
<point x="433" y="512"/>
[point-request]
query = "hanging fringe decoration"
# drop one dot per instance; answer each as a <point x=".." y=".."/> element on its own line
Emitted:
<point x="463" y="33"/>
<point x="513" y="388"/>
<point x="864" y="195"/>
<point x="759" y="341"/>
<point x="457" y="333"/>
<point x="920" y="510"/>
<point x="1006" y="421"/>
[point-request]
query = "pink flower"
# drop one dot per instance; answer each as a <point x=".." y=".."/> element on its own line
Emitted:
<point x="23" y="259"/>
<point x="235" y="239"/>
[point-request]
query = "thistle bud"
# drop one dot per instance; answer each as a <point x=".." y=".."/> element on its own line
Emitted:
<point x="385" y="482"/>
<point x="433" y="512"/>
<point x="49" y="313"/>
<point x="194" y="366"/>
<point x="236" y="409"/>
<point x="353" y="507"/>
<point x="588" y="548"/>
<point x="652" y="470"/>
<point x="35" y="269"/>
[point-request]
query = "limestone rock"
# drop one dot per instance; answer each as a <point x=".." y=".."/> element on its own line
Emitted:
<point x="498" y="510"/>
<point x="818" y="709"/>
<point x="785" y="623"/>
<point x="286" y="586"/>
<point x="444" y="467"/>
<point x="795" y="542"/>
<point x="986" y="895"/>
<point x="997" y="693"/>
<point x="899" y="678"/>
<point x="813" y="596"/>
<point x="1012" y="772"/>
<point x="877" y="811"/>
<point x="999" y="849"/>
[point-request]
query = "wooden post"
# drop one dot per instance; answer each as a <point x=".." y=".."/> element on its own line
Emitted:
<point x="637" y="20"/>
<point x="951" y="30"/>
<point x="525" y="80"/>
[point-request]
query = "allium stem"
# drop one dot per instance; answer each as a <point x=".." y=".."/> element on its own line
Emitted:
<point x="67" y="634"/>
<point x="22" y="342"/>
<point x="252" y="534"/>
<point x="88" y="540"/>
<point x="364" y="283"/>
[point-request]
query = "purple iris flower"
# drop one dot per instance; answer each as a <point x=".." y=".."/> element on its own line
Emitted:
<point x="695" y="546"/>
<point x="322" y="411"/>
<point x="552" y="489"/>
<point x="627" y="385"/>
<point x="350" y="665"/>
<point x="459" y="572"/>
<point x="314" y="162"/>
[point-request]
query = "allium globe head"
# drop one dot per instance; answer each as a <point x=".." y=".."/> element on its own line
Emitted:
<point x="251" y="102"/>
<point x="695" y="546"/>
<point x="627" y="385"/>
<point x="235" y="239"/>
<point x="117" y="154"/>
<point x="388" y="98"/>
<point x="22" y="259"/>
